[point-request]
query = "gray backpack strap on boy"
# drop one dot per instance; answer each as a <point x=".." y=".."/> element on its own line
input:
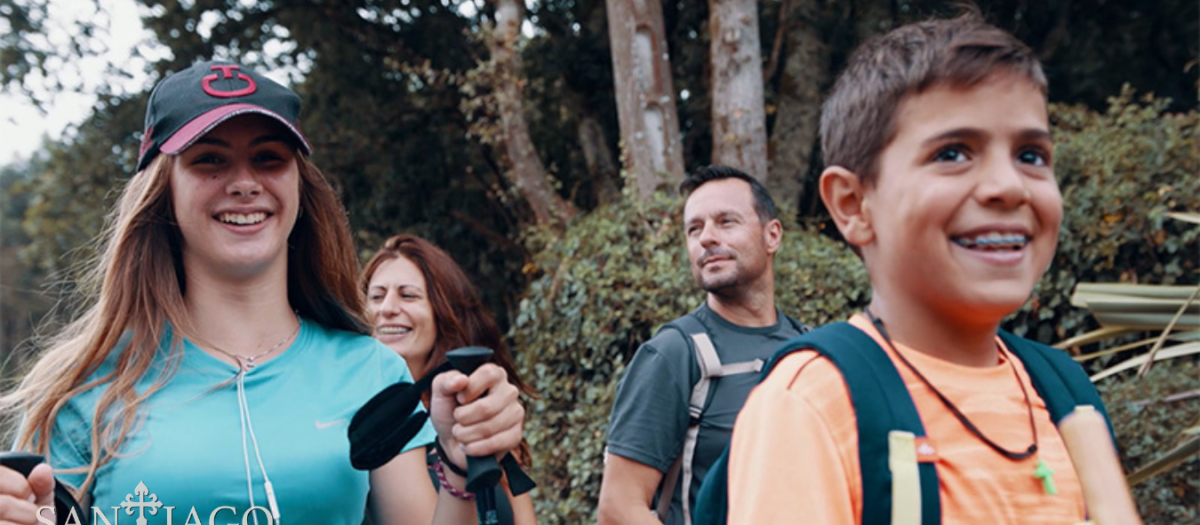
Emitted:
<point x="711" y="367"/>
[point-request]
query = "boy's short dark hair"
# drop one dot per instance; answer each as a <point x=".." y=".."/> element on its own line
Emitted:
<point x="764" y="205"/>
<point x="858" y="118"/>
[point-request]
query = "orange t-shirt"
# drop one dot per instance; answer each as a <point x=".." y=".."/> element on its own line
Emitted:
<point x="794" y="453"/>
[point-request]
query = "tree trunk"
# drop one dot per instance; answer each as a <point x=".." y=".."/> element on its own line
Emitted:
<point x="805" y="72"/>
<point x="602" y="163"/>
<point x="599" y="158"/>
<point x="651" y="150"/>
<point x="738" y="120"/>
<point x="526" y="170"/>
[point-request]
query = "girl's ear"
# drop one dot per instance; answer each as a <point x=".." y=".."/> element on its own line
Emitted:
<point x="845" y="196"/>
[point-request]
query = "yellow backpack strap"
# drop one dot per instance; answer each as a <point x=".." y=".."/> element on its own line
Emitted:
<point x="906" y="478"/>
<point x="884" y="413"/>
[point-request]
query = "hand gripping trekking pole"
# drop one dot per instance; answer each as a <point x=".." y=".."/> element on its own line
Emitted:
<point x="483" y="473"/>
<point x="385" y="425"/>
<point x="64" y="503"/>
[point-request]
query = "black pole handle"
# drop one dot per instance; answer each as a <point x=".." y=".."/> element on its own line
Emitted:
<point x="483" y="472"/>
<point x="22" y="462"/>
<point x="65" y="505"/>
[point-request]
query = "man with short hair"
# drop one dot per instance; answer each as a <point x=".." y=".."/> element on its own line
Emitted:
<point x="676" y="405"/>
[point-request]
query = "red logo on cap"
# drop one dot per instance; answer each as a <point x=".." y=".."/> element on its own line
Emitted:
<point x="227" y="72"/>
<point x="147" y="139"/>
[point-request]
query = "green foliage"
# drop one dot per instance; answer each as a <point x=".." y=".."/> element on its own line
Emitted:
<point x="1147" y="425"/>
<point x="601" y="289"/>
<point x="21" y="304"/>
<point x="53" y="207"/>
<point x="1120" y="171"/>
<point x="75" y="187"/>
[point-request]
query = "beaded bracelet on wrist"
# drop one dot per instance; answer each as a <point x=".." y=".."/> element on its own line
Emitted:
<point x="445" y="483"/>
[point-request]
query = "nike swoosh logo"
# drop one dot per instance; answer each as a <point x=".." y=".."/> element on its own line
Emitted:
<point x="322" y="425"/>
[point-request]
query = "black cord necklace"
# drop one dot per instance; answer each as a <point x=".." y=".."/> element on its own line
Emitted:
<point x="1041" y="471"/>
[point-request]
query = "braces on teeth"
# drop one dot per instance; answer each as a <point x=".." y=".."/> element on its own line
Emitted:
<point x="993" y="241"/>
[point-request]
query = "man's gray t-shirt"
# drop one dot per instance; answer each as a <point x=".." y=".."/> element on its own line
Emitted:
<point x="650" y="415"/>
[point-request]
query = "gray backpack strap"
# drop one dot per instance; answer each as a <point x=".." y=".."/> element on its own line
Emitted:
<point x="668" y="489"/>
<point x="710" y="367"/>
<point x="695" y="410"/>
<point x="685" y="326"/>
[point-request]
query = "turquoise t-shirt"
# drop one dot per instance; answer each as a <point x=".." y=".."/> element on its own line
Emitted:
<point x="187" y="451"/>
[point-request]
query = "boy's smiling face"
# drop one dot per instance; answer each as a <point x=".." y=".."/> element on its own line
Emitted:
<point x="963" y="217"/>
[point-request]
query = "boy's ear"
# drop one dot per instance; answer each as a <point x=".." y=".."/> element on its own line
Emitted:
<point x="844" y="195"/>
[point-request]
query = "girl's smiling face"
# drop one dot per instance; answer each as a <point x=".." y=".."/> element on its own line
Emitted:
<point x="236" y="196"/>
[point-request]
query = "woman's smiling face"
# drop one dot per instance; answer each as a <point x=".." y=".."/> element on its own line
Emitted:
<point x="398" y="300"/>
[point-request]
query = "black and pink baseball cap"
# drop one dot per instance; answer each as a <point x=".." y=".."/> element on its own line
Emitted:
<point x="189" y="103"/>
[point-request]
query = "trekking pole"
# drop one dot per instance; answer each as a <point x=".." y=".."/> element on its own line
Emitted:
<point x="1105" y="492"/>
<point x="376" y="438"/>
<point x="65" y="505"/>
<point x="483" y="473"/>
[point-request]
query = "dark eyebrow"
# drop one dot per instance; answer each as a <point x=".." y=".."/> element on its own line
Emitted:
<point x="269" y="138"/>
<point x="260" y="140"/>
<point x="954" y="134"/>
<point x="209" y="140"/>
<point x="1033" y="135"/>
<point x="718" y="214"/>
<point x="1029" y="134"/>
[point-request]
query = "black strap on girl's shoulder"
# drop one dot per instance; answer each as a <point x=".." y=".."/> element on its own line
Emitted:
<point x="881" y="404"/>
<point x="1058" y="379"/>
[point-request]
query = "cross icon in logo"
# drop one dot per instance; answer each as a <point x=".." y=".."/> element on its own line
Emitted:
<point x="141" y="504"/>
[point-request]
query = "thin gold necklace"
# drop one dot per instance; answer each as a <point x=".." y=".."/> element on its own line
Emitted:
<point x="249" y="363"/>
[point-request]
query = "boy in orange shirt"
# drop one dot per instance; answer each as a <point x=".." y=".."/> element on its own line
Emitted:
<point x="940" y="175"/>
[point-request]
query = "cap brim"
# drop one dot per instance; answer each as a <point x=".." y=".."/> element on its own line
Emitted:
<point x="204" y="123"/>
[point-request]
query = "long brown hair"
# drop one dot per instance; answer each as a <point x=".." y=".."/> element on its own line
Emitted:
<point x="133" y="295"/>
<point x="458" y="314"/>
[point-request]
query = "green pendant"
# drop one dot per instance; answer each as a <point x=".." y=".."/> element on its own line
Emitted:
<point x="1043" y="472"/>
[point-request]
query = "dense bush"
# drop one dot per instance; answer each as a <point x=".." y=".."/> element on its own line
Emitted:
<point x="1120" y="172"/>
<point x="1148" y="424"/>
<point x="603" y="286"/>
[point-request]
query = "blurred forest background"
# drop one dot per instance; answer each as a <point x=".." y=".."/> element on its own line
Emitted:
<point x="532" y="139"/>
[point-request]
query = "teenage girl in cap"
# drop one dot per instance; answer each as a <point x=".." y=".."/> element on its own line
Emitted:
<point x="226" y="348"/>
